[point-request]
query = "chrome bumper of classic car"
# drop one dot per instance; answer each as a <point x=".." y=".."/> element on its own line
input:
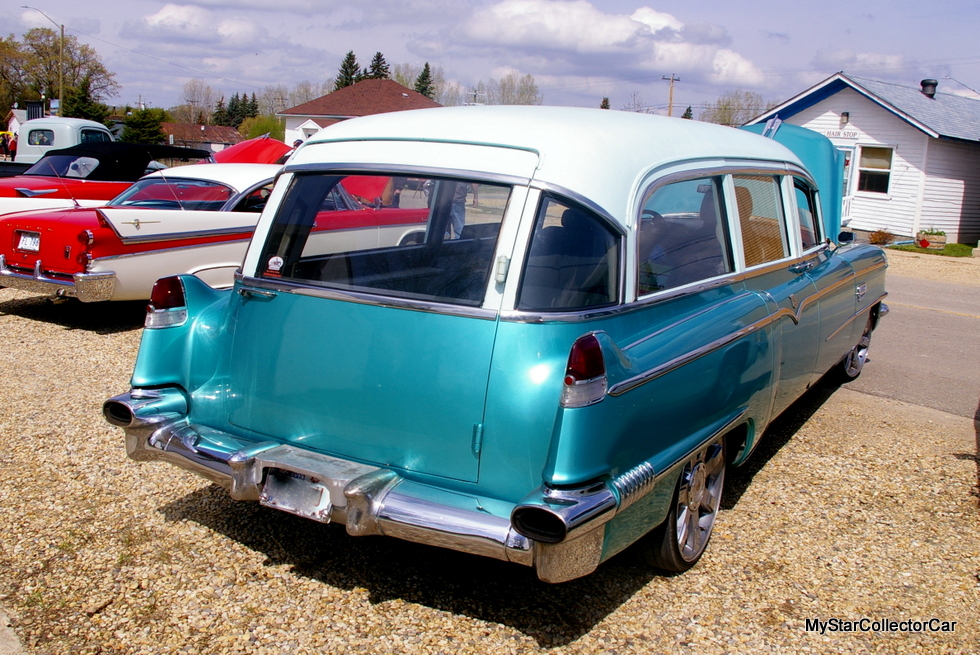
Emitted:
<point x="87" y="287"/>
<point x="374" y="501"/>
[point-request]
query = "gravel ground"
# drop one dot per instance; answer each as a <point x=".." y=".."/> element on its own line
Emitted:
<point x="854" y="507"/>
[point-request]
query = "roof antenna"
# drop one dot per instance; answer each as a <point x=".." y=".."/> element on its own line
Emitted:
<point x="771" y="126"/>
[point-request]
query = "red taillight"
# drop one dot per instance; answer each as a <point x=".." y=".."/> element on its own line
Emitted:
<point x="168" y="306"/>
<point x="585" y="375"/>
<point x="168" y="293"/>
<point x="585" y="362"/>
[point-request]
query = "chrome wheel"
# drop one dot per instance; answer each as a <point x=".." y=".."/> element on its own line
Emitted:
<point x="855" y="360"/>
<point x="681" y="540"/>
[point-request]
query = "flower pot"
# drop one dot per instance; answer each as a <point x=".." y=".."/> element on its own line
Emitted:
<point x="932" y="241"/>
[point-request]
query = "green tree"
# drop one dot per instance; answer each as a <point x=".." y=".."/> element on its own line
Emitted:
<point x="41" y="49"/>
<point x="259" y="125"/>
<point x="220" y="115"/>
<point x="604" y="104"/>
<point x="424" y="83"/>
<point x="735" y="108"/>
<point x="12" y="64"/>
<point x="79" y="103"/>
<point x="143" y="126"/>
<point x="688" y="113"/>
<point x="349" y="72"/>
<point x="379" y="68"/>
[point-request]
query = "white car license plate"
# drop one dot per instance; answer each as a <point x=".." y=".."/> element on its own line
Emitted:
<point x="29" y="241"/>
<point x="297" y="494"/>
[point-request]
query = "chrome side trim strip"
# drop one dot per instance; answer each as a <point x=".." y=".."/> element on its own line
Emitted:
<point x="857" y="314"/>
<point x="369" y="299"/>
<point x="652" y="374"/>
<point x="162" y="250"/>
<point x="183" y="236"/>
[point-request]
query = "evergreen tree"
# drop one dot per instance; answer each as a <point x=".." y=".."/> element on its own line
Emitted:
<point x="688" y="113"/>
<point x="253" y="107"/>
<point x="349" y="72"/>
<point x="234" y="107"/>
<point x="604" y="104"/>
<point x="424" y="84"/>
<point x="220" y="116"/>
<point x="79" y="103"/>
<point x="143" y="126"/>
<point x="379" y="68"/>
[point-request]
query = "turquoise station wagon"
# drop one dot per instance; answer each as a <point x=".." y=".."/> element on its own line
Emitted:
<point x="592" y="316"/>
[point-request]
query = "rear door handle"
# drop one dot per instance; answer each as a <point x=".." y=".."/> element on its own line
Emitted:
<point x="252" y="292"/>
<point x="802" y="267"/>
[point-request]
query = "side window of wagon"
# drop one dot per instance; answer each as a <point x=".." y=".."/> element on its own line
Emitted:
<point x="573" y="261"/>
<point x="760" y="217"/>
<point x="348" y="232"/>
<point x="806" y="209"/>
<point x="40" y="138"/>
<point x="682" y="236"/>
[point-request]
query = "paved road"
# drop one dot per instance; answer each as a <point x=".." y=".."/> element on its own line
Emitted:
<point x="927" y="350"/>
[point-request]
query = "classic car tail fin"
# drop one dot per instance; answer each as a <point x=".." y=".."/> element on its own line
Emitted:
<point x="585" y="375"/>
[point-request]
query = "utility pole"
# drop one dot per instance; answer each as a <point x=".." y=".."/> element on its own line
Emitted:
<point x="670" y="96"/>
<point x="61" y="60"/>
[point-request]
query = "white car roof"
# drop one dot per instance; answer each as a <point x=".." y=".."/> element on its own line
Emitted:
<point x="237" y="176"/>
<point x="603" y="155"/>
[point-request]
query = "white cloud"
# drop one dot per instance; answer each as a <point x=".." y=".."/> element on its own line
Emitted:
<point x="183" y="23"/>
<point x="575" y="36"/>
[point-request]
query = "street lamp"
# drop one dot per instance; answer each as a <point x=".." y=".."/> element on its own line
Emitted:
<point x="61" y="59"/>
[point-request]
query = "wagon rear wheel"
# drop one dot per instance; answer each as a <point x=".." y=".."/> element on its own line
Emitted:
<point x="853" y="363"/>
<point x="678" y="543"/>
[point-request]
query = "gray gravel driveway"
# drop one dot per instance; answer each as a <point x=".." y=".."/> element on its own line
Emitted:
<point x="856" y="507"/>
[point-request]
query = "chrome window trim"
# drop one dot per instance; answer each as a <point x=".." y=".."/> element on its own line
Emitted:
<point x="554" y="192"/>
<point x="402" y="170"/>
<point x="234" y="200"/>
<point x="517" y="316"/>
<point x="362" y="298"/>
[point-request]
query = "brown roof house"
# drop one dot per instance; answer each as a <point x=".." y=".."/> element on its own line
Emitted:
<point x="364" y="98"/>
<point x="207" y="137"/>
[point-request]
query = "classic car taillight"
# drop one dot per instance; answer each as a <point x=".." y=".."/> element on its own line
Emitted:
<point x="86" y="237"/>
<point x="585" y="375"/>
<point x="168" y="306"/>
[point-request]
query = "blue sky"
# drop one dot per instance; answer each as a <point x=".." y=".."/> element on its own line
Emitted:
<point x="577" y="50"/>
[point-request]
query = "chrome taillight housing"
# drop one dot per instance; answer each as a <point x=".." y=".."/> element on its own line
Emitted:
<point x="168" y="304"/>
<point x="585" y="376"/>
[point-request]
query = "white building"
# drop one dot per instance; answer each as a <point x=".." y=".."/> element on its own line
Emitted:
<point x="913" y="155"/>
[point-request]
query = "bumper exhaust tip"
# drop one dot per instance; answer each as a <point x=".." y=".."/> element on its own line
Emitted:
<point x="118" y="413"/>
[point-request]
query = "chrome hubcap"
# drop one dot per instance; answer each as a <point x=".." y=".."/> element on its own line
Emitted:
<point x="698" y="500"/>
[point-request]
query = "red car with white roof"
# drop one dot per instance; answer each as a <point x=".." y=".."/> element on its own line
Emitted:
<point x="191" y="219"/>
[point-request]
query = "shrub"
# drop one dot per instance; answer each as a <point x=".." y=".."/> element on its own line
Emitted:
<point x="880" y="238"/>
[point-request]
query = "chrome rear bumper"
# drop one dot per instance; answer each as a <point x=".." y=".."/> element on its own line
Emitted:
<point x="367" y="499"/>
<point x="87" y="287"/>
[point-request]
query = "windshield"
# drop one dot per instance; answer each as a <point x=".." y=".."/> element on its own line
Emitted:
<point x="174" y="193"/>
<point x="424" y="238"/>
<point x="64" y="166"/>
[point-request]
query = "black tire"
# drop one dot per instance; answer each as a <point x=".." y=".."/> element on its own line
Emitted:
<point x="679" y="542"/>
<point x="853" y="363"/>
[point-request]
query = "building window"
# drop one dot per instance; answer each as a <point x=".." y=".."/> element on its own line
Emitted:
<point x="874" y="169"/>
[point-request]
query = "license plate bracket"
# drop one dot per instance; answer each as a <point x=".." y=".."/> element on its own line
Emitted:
<point x="296" y="493"/>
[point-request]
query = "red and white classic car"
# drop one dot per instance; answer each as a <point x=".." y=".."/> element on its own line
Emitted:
<point x="91" y="174"/>
<point x="86" y="175"/>
<point x="192" y="219"/>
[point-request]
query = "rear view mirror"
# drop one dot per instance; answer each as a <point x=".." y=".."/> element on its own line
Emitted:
<point x="845" y="237"/>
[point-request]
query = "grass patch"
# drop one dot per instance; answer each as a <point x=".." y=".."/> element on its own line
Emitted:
<point x="951" y="250"/>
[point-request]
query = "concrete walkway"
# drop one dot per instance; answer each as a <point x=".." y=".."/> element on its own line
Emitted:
<point x="9" y="643"/>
